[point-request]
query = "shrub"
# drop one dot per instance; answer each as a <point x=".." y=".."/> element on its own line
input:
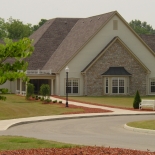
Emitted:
<point x="33" y="96"/>
<point x="60" y="101"/>
<point x="47" y="100"/>
<point x="137" y="100"/>
<point x="42" y="99"/>
<point x="55" y="101"/>
<point x="30" y="90"/>
<point x="37" y="98"/>
<point x="45" y="90"/>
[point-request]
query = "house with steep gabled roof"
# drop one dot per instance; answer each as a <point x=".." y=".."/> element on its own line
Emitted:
<point x="104" y="55"/>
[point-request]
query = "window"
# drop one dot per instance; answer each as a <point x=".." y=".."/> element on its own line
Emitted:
<point x="73" y="86"/>
<point x="114" y="86"/>
<point x="106" y="87"/>
<point x="152" y="85"/>
<point x="118" y="85"/>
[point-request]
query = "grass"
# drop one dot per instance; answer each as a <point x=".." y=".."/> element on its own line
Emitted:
<point x="124" y="102"/>
<point x="149" y="124"/>
<point x="18" y="107"/>
<point x="16" y="143"/>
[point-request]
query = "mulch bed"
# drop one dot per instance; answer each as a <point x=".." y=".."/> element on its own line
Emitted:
<point x="85" y="110"/>
<point x="78" y="151"/>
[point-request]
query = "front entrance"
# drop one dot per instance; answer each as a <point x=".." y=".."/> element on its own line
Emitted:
<point x="37" y="84"/>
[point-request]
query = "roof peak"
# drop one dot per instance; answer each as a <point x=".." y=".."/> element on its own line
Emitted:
<point x="82" y="17"/>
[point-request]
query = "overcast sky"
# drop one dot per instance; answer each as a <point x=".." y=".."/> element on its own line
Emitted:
<point x="31" y="11"/>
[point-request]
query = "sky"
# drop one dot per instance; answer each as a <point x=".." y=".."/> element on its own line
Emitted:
<point x="32" y="11"/>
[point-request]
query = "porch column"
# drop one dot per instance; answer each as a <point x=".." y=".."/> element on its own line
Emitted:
<point x="52" y="87"/>
<point x="57" y="84"/>
<point x="21" y="86"/>
<point x="25" y="87"/>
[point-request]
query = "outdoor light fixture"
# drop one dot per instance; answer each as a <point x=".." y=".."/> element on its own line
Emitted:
<point x="66" y="70"/>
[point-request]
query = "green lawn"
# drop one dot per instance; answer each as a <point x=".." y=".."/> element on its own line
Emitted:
<point x="149" y="124"/>
<point x="16" y="143"/>
<point x="125" y="102"/>
<point x="18" y="107"/>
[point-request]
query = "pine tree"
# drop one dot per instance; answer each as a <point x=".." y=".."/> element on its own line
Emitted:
<point x="137" y="100"/>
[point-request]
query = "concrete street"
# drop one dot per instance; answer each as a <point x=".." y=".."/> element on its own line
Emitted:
<point x="100" y="131"/>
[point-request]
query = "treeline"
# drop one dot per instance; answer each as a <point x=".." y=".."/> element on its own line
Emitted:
<point x="16" y="29"/>
<point x="142" y="27"/>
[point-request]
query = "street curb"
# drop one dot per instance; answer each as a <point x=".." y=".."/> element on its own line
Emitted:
<point x="139" y="129"/>
<point x="16" y="122"/>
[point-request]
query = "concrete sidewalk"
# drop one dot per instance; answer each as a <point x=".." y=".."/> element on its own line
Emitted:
<point x="115" y="111"/>
<point x="5" y="124"/>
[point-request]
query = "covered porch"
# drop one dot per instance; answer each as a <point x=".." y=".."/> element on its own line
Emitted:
<point x="37" y="78"/>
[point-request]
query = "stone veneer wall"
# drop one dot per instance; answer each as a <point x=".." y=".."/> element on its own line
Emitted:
<point x="117" y="55"/>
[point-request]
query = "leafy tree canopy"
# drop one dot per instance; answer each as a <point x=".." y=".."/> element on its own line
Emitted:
<point x="16" y="29"/>
<point x="141" y="27"/>
<point x="16" y="51"/>
<point x="3" y="33"/>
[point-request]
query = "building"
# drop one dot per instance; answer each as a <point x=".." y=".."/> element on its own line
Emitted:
<point x="104" y="55"/>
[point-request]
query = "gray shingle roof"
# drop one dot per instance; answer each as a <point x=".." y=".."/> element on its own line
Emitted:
<point x="60" y="39"/>
<point x="116" y="71"/>
<point x="79" y="35"/>
<point x="149" y="40"/>
<point x="47" y="39"/>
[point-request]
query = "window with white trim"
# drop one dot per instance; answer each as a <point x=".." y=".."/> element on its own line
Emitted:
<point x="106" y="86"/>
<point x="152" y="85"/>
<point x="73" y="86"/>
<point x="118" y="85"/>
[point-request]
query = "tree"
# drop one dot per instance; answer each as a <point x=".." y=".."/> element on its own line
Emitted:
<point x="42" y="21"/>
<point x="17" y="30"/>
<point x="137" y="100"/>
<point x="3" y="31"/>
<point x="16" y="51"/>
<point x="141" y="27"/>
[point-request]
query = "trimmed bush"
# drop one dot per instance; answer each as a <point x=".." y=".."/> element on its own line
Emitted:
<point x="60" y="101"/>
<point x="47" y="100"/>
<point x="55" y="101"/>
<point x="42" y="99"/>
<point x="30" y="90"/>
<point x="45" y="90"/>
<point x="33" y="96"/>
<point x="37" y="98"/>
<point x="137" y="100"/>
